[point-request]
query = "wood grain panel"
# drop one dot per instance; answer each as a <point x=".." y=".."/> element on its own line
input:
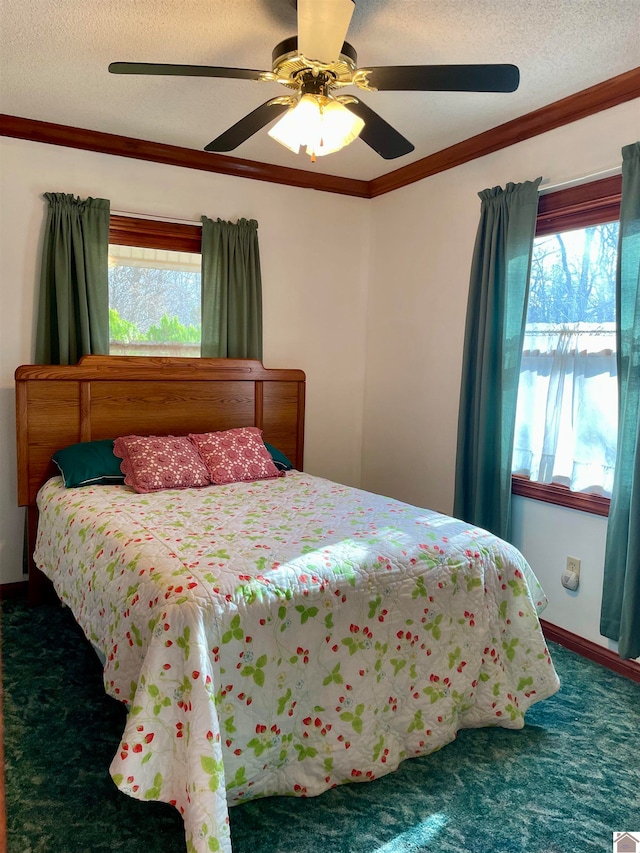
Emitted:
<point x="53" y="422"/>
<point x="85" y="411"/>
<point x="53" y="413"/>
<point x="110" y="367"/>
<point x="163" y="407"/>
<point x="41" y="468"/>
<point x="280" y="413"/>
<point x="302" y="390"/>
<point x="151" y="234"/>
<point x="259" y="404"/>
<point x="580" y="206"/>
<point x="553" y="493"/>
<point x="22" y="443"/>
<point x="36" y="442"/>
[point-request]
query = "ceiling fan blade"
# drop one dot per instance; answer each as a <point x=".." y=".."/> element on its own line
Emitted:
<point x="183" y="70"/>
<point x="378" y="134"/>
<point x="445" y="78"/>
<point x="246" y="127"/>
<point x="322" y="27"/>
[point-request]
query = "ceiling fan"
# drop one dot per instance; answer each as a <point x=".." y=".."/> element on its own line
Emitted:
<point x="318" y="63"/>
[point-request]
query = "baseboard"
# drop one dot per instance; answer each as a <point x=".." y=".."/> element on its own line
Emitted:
<point x="605" y="657"/>
<point x="14" y="590"/>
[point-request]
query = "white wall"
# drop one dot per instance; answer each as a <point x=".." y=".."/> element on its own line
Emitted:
<point x="347" y="283"/>
<point x="314" y="251"/>
<point x="422" y="242"/>
<point x="549" y="534"/>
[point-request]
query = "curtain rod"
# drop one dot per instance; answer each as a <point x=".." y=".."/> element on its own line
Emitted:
<point x="546" y="187"/>
<point x="155" y="218"/>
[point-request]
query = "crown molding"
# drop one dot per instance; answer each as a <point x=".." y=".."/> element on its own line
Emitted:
<point x="174" y="155"/>
<point x="602" y="96"/>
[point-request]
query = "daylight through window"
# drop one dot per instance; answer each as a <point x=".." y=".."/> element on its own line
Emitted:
<point x="566" y="421"/>
<point x="154" y="301"/>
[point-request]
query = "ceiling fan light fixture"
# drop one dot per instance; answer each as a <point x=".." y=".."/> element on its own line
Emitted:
<point x="319" y="123"/>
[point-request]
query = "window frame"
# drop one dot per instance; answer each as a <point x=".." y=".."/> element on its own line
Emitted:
<point x="154" y="234"/>
<point x="563" y="210"/>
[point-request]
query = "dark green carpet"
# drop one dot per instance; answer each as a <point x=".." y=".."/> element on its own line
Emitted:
<point x="563" y="784"/>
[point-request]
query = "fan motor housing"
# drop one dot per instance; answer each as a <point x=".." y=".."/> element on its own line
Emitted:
<point x="288" y="64"/>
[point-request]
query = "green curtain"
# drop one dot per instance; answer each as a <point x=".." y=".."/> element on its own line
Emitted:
<point x="620" y="614"/>
<point x="231" y="290"/>
<point x="496" y="313"/>
<point x="73" y="312"/>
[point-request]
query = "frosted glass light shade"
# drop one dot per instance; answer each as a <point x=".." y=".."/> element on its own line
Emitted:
<point x="322" y="125"/>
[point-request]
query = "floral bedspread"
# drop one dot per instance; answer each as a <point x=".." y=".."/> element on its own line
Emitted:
<point x="288" y="635"/>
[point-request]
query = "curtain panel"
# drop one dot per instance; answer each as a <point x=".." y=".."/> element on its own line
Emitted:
<point x="496" y="312"/>
<point x="620" y="614"/>
<point x="73" y="312"/>
<point x="231" y="290"/>
<point x="566" y="417"/>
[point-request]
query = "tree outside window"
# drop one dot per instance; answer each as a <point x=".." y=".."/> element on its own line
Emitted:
<point x="566" y="421"/>
<point x="154" y="288"/>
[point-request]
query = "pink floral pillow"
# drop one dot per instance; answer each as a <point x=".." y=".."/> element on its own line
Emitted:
<point x="235" y="455"/>
<point x="154" y="462"/>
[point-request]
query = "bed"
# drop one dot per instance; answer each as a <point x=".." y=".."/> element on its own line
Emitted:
<point x="277" y="636"/>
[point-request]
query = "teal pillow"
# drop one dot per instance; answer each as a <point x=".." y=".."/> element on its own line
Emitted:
<point x="89" y="463"/>
<point x="279" y="459"/>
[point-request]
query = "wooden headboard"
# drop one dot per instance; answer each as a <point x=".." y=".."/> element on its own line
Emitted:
<point x="109" y="396"/>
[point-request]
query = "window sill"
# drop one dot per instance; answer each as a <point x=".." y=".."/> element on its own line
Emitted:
<point x="560" y="495"/>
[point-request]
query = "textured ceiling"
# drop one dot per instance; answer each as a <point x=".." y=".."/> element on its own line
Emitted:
<point x="54" y="56"/>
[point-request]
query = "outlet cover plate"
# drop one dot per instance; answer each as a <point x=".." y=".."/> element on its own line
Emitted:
<point x="573" y="565"/>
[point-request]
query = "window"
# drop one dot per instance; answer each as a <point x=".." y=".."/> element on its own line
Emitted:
<point x="154" y="288"/>
<point x="154" y="302"/>
<point x="566" y="420"/>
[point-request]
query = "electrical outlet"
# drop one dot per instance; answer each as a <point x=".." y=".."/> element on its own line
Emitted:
<point x="573" y="565"/>
<point x="571" y="575"/>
